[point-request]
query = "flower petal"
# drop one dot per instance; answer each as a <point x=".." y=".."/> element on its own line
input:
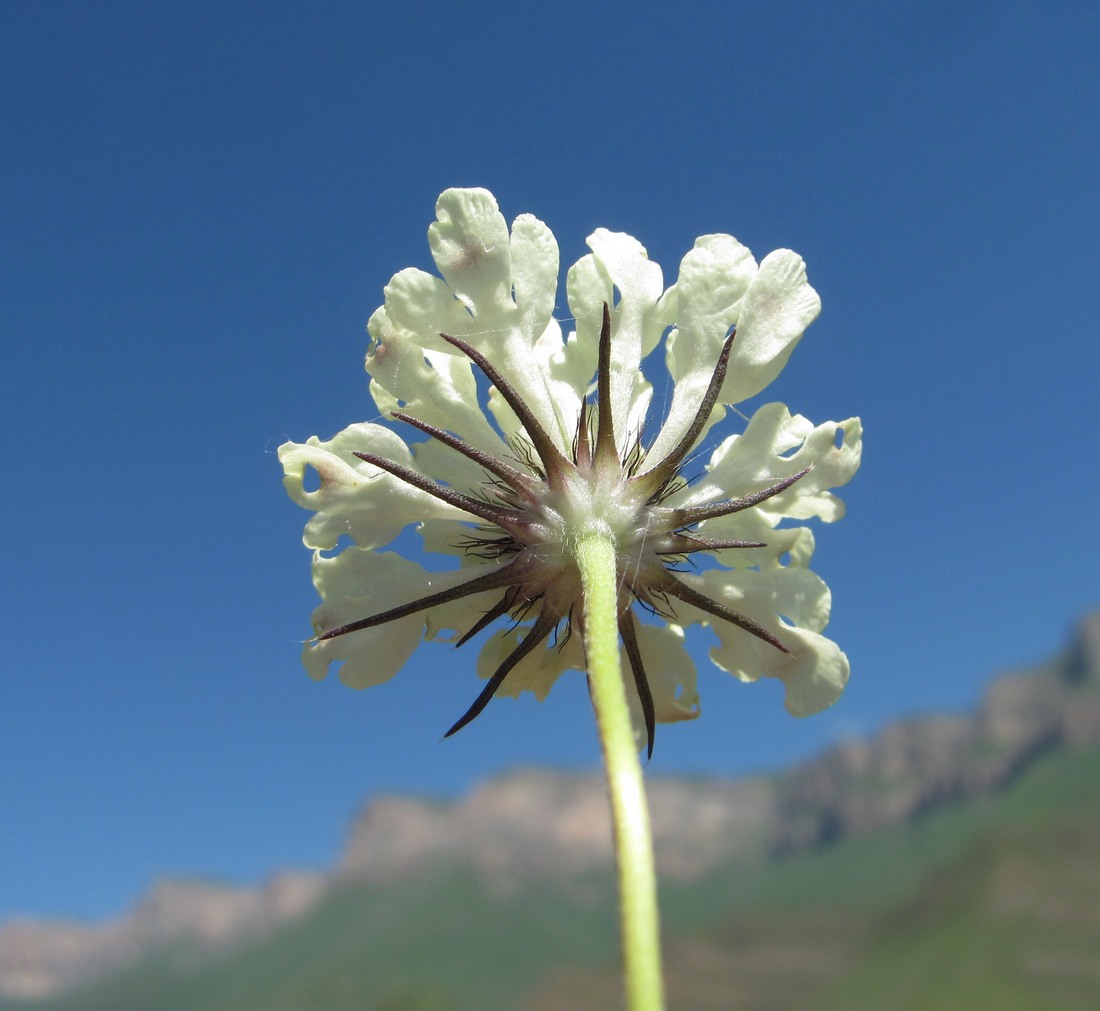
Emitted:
<point x="355" y="498"/>
<point x="783" y="545"/>
<point x="447" y="622"/>
<point x="713" y="279"/>
<point x="775" y="445"/>
<point x="815" y="671"/>
<point x="670" y="672"/>
<point x="537" y="671"/>
<point x="797" y="594"/>
<point x="469" y="241"/>
<point x="433" y="386"/>
<point x="534" y="273"/>
<point x="619" y="264"/>
<point x="774" y="313"/>
<point x="704" y="303"/>
<point x="419" y="306"/>
<point x="354" y="584"/>
<point x="586" y="290"/>
<point x="497" y="293"/>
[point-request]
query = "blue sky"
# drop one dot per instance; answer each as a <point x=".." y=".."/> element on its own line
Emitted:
<point x="200" y="206"/>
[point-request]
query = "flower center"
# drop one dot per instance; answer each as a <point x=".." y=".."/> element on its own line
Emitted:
<point x="539" y="515"/>
<point x="597" y="503"/>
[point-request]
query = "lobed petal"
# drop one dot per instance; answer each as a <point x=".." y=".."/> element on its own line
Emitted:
<point x="557" y="390"/>
<point x="713" y="279"/>
<point x="670" y="672"/>
<point x="448" y="622"/>
<point x="419" y="305"/>
<point x="449" y="466"/>
<point x="619" y="265"/>
<point x="815" y="674"/>
<point x="508" y="284"/>
<point x="815" y="671"/>
<point x="783" y="545"/>
<point x="536" y="672"/>
<point x="354" y="584"/>
<point x="775" y="445"/>
<point x="535" y="265"/>
<point x="497" y="293"/>
<point x="703" y="304"/>
<point x="793" y="593"/>
<point x="441" y="537"/>
<point x="775" y="311"/>
<point x="586" y="290"/>
<point x="566" y="390"/>
<point x="355" y="498"/>
<point x="435" y="387"/>
<point x="469" y="242"/>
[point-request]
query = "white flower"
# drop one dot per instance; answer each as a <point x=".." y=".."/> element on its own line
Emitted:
<point x="561" y="452"/>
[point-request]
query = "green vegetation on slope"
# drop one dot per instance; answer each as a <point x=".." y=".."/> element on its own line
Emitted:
<point x="439" y="942"/>
<point x="982" y="906"/>
<point x="1014" y="924"/>
<point x="989" y="904"/>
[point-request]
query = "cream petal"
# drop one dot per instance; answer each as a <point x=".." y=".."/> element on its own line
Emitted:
<point x="775" y="311"/>
<point x="469" y="242"/>
<point x="713" y="279"/>
<point x="793" y="593"/>
<point x="704" y="303"/>
<point x="535" y="265"/>
<point x="586" y="290"/>
<point x="355" y="498"/>
<point x="815" y="675"/>
<point x="774" y="446"/>
<point x="436" y="387"/>
<point x="783" y="545"/>
<point x="449" y="466"/>
<point x="356" y="584"/>
<point x="420" y="306"/>
<point x="833" y="466"/>
<point x="670" y="672"/>
<point x="558" y="393"/>
<point x="566" y="390"/>
<point x="448" y="622"/>
<point x="814" y="672"/>
<point x="620" y="264"/>
<point x="537" y="671"/>
<point x="498" y="294"/>
<point x="442" y="537"/>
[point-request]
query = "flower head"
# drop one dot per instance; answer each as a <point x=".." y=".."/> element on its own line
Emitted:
<point x="561" y="452"/>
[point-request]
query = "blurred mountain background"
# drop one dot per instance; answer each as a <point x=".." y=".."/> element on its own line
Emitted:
<point x="948" y="861"/>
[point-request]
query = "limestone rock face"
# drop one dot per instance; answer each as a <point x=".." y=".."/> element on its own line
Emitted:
<point x="39" y="958"/>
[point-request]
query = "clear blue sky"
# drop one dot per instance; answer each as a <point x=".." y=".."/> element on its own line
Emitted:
<point x="199" y="206"/>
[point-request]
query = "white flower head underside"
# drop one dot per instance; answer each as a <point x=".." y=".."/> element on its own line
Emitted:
<point x="563" y="452"/>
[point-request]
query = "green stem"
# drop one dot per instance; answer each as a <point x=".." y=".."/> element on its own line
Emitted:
<point x="630" y="816"/>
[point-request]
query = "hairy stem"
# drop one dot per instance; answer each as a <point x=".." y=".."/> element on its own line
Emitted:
<point x="630" y="816"/>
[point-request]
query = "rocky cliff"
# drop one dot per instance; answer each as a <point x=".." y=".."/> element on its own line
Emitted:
<point x="538" y="823"/>
<point x="41" y="958"/>
<point x="547" y="823"/>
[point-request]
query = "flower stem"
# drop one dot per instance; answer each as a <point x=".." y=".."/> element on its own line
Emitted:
<point x="630" y="816"/>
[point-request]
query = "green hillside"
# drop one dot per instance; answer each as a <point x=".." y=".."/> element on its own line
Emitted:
<point x="983" y="906"/>
<point x="993" y="904"/>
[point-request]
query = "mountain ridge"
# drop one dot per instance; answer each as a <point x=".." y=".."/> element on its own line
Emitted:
<point x="538" y="824"/>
